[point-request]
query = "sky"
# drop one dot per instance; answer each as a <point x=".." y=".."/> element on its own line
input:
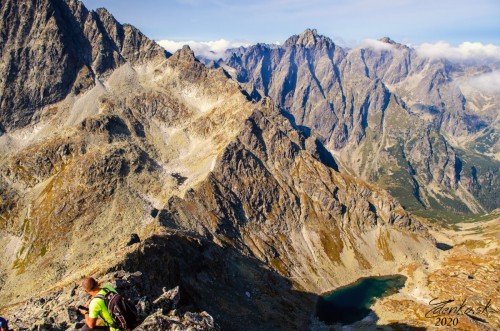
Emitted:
<point x="452" y="25"/>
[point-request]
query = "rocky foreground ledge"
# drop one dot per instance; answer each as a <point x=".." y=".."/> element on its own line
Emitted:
<point x="57" y="311"/>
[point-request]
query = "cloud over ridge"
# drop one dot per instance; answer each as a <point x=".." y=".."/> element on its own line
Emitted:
<point x="212" y="50"/>
<point x="467" y="51"/>
<point x="375" y="45"/>
<point x="488" y="82"/>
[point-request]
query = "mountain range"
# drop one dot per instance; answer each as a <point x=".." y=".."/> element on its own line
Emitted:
<point x="411" y="124"/>
<point x="255" y="184"/>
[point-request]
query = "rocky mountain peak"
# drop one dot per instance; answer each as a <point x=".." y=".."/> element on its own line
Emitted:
<point x="63" y="45"/>
<point x="309" y="39"/>
<point x="105" y="16"/>
<point x="388" y="71"/>
<point x="184" y="54"/>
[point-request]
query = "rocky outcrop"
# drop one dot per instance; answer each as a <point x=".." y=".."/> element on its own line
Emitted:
<point x="188" y="322"/>
<point x="385" y="112"/>
<point x="299" y="203"/>
<point x="58" y="310"/>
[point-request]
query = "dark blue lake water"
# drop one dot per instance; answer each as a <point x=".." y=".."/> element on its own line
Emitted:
<point x="351" y="303"/>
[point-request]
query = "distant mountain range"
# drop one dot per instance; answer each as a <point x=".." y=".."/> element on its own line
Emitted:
<point x="413" y="125"/>
<point x="255" y="194"/>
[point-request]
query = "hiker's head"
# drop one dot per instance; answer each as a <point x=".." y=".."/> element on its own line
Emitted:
<point x="89" y="285"/>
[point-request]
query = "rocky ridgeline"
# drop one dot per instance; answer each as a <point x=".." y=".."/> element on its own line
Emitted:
<point x="301" y="201"/>
<point x="78" y="47"/>
<point x="57" y="311"/>
<point x="391" y="117"/>
<point x="109" y="168"/>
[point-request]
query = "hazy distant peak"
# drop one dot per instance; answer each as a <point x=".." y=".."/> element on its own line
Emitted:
<point x="387" y="40"/>
<point x="309" y="39"/>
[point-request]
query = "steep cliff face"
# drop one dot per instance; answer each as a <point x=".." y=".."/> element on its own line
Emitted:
<point x="388" y="115"/>
<point x="311" y="223"/>
<point x="52" y="48"/>
<point x="228" y="197"/>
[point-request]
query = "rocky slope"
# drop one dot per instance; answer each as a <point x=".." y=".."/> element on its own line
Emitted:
<point x="467" y="274"/>
<point x="57" y="311"/>
<point x="249" y="216"/>
<point x="388" y="115"/>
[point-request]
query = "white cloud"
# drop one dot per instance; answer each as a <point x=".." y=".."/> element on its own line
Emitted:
<point x="467" y="51"/>
<point x="376" y="45"/>
<point x="212" y="50"/>
<point x="489" y="82"/>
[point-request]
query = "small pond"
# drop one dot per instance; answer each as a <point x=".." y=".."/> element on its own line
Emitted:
<point x="351" y="303"/>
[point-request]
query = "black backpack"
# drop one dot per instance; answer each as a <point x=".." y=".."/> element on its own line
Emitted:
<point x="121" y="309"/>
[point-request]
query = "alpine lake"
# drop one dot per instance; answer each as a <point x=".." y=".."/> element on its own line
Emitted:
<point x="351" y="303"/>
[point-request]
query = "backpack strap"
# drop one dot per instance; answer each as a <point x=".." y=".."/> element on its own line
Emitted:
<point x="103" y="296"/>
<point x="100" y="296"/>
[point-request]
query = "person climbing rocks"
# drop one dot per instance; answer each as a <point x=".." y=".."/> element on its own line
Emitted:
<point x="3" y="324"/>
<point x="96" y="306"/>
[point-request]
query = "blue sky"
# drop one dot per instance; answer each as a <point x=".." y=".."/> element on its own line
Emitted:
<point x="347" y="22"/>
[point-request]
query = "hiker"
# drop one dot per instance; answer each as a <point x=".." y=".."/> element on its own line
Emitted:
<point x="96" y="306"/>
<point x="3" y="324"/>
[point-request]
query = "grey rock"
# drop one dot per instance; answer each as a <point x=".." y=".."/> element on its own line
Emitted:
<point x="144" y="307"/>
<point x="169" y="300"/>
<point x="189" y="322"/>
<point x="151" y="318"/>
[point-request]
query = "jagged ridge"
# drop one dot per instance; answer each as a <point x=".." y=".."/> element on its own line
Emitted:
<point x="389" y="116"/>
<point x="77" y="47"/>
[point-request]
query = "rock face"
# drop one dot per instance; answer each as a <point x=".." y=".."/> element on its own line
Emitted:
<point x="303" y="216"/>
<point x="162" y="166"/>
<point x="389" y="116"/>
<point x="78" y="47"/>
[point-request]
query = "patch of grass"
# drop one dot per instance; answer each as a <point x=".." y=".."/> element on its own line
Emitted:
<point x="383" y="246"/>
<point x="332" y="244"/>
<point x="473" y="244"/>
<point x="479" y="217"/>
<point x="278" y="265"/>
